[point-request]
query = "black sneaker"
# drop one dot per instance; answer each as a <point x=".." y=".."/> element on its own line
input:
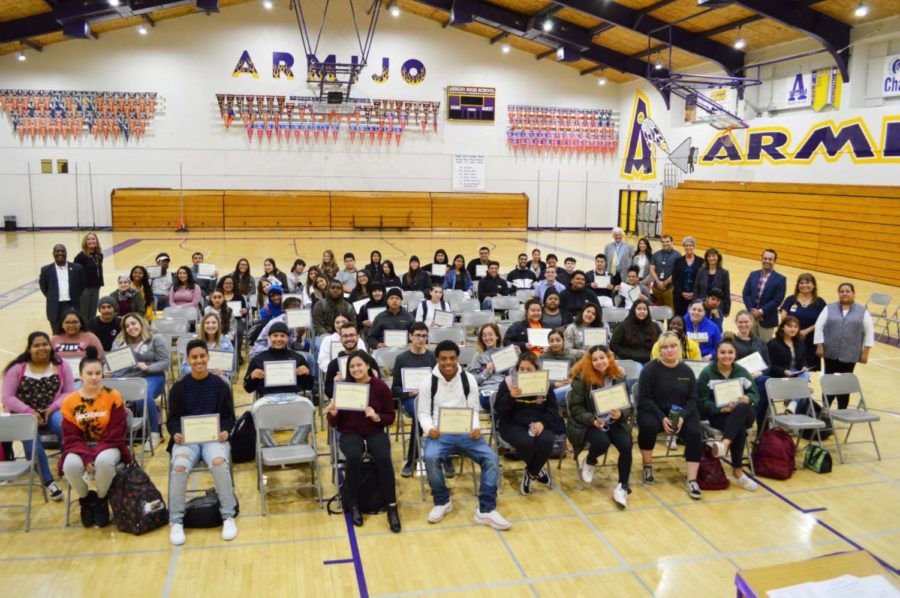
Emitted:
<point x="101" y="512"/>
<point x="693" y="489"/>
<point x="525" y="488"/>
<point x="87" y="509"/>
<point x="449" y="470"/>
<point x="647" y="475"/>
<point x="543" y="477"/>
<point x="407" y="471"/>
<point x="54" y="492"/>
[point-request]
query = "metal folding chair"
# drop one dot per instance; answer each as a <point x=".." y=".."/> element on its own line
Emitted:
<point x="515" y="315"/>
<point x="134" y="391"/>
<point x="523" y="295"/>
<point x="788" y="389"/>
<point x="465" y="304"/>
<point x="661" y="313"/>
<point x="456" y="334"/>
<point x="845" y="384"/>
<point x="412" y="299"/>
<point x="878" y="300"/>
<point x="614" y="315"/>
<point x="498" y="443"/>
<point x="188" y="313"/>
<point x="467" y="355"/>
<point x="451" y="295"/>
<point x="473" y="320"/>
<point x="20" y="427"/>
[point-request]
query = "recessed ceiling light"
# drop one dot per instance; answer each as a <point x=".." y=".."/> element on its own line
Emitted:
<point x="395" y="10"/>
<point x="861" y="10"/>
<point x="658" y="64"/>
<point x="142" y="30"/>
<point x="740" y="43"/>
<point x="114" y="2"/>
<point x="548" y="25"/>
<point x="601" y="81"/>
<point x="268" y="4"/>
<point x="22" y="57"/>
<point x="505" y="48"/>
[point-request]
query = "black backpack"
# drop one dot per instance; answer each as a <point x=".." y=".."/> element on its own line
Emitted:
<point x="137" y="504"/>
<point x="202" y="512"/>
<point x="243" y="439"/>
<point x="371" y="500"/>
<point x="434" y="385"/>
<point x="254" y="332"/>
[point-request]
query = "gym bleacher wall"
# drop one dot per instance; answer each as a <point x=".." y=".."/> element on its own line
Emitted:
<point x="188" y="60"/>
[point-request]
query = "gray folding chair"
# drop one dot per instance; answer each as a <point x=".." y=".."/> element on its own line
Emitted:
<point x="412" y="299"/>
<point x="171" y="326"/>
<point x="181" y="343"/>
<point x="456" y="334"/>
<point x="515" y="315"/>
<point x="614" y="315"/>
<point x="880" y="303"/>
<point x="420" y="462"/>
<point x="134" y="392"/>
<point x="631" y="368"/>
<point x="385" y="359"/>
<point x="463" y="305"/>
<point x="453" y="295"/>
<point x="504" y="303"/>
<point x="845" y="384"/>
<point x="189" y="314"/>
<point x="523" y="295"/>
<point x="467" y="355"/>
<point x="895" y="320"/>
<point x="788" y="389"/>
<point x="499" y="444"/>
<point x="661" y="313"/>
<point x="20" y="427"/>
<point x="473" y="320"/>
<point x="287" y="415"/>
<point x="708" y="431"/>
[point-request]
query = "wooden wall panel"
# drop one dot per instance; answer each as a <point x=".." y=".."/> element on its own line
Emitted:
<point x="309" y="210"/>
<point x="374" y="209"/>
<point x="161" y="208"/>
<point x="845" y="230"/>
<point x="454" y="210"/>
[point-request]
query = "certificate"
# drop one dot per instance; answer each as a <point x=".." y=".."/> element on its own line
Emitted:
<point x="728" y="391"/>
<point x="539" y="337"/>
<point x="505" y="359"/>
<point x="602" y="281"/>
<point x="154" y="271"/>
<point x="753" y="362"/>
<point x="336" y="348"/>
<point x="221" y="360"/>
<point x="373" y="312"/>
<point x="607" y="399"/>
<point x="205" y="269"/>
<point x="700" y="337"/>
<point x="455" y="420"/>
<point x="634" y="293"/>
<point x="280" y="373"/>
<point x="443" y="319"/>
<point x="480" y="270"/>
<point x="413" y="378"/>
<point x="438" y="269"/>
<point x="358" y="305"/>
<point x="342" y="364"/>
<point x="350" y="396"/>
<point x="533" y="384"/>
<point x="235" y="307"/>
<point x="73" y="363"/>
<point x="593" y="336"/>
<point x="395" y="339"/>
<point x="198" y="429"/>
<point x="558" y="368"/>
<point x="120" y="359"/>
<point x="696" y="366"/>
<point x="298" y="318"/>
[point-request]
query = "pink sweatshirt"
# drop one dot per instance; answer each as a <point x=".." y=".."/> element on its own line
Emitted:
<point x="74" y="346"/>
<point x="12" y="404"/>
<point x="184" y="297"/>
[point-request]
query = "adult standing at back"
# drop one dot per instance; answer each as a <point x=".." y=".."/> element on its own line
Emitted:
<point x="805" y="305"/>
<point x="763" y="293"/>
<point x="661" y="267"/>
<point x="62" y="283"/>
<point x="90" y="258"/>
<point x="713" y="276"/>
<point x="618" y="253"/>
<point x="684" y="272"/>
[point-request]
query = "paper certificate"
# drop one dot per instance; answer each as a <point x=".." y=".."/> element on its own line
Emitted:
<point x="350" y="396"/>
<point x="753" y="362"/>
<point x="607" y="399"/>
<point x="728" y="391"/>
<point x="373" y="312"/>
<point x="221" y="360"/>
<point x="205" y="269"/>
<point x="700" y="337"/>
<point x="505" y="359"/>
<point x="298" y="318"/>
<point x="438" y="269"/>
<point x="696" y="366"/>
<point x="342" y="364"/>
<point x="120" y="359"/>
<point x="593" y="336"/>
<point x="395" y="338"/>
<point x="280" y="373"/>
<point x="413" y="378"/>
<point x="358" y="305"/>
<point x="336" y="348"/>
<point x="73" y="363"/>
<point x="443" y="319"/>
<point x="235" y="307"/>
<point x="558" y="368"/>
<point x="538" y="337"/>
<point x="480" y="270"/>
<point x="154" y="271"/>
<point x="533" y="384"/>
<point x="602" y="281"/>
<point x="455" y="420"/>
<point x="198" y="429"/>
<point x="635" y="293"/>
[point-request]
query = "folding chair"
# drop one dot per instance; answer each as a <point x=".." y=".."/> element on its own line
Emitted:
<point x="21" y="427"/>
<point x="878" y="300"/>
<point x="895" y="320"/>
<point x="845" y="384"/>
<point x="412" y="299"/>
<point x="287" y="415"/>
<point x="134" y="391"/>
<point x="708" y="431"/>
<point x="614" y="315"/>
<point x="385" y="359"/>
<point x="420" y="462"/>
<point x="523" y="295"/>
<point x="452" y="295"/>
<point x="661" y="313"/>
<point x="188" y="313"/>
<point x="181" y="343"/>
<point x="171" y="326"/>
<point x="498" y="443"/>
<point x="463" y="305"/>
<point x="467" y="355"/>
<point x="631" y="368"/>
<point x="504" y="304"/>
<point x="474" y="320"/>
<point x="456" y="334"/>
<point x="515" y="315"/>
<point x="788" y="389"/>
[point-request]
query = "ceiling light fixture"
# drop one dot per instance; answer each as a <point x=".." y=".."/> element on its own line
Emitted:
<point x="114" y="2"/>
<point x="658" y="65"/>
<point x="22" y="57"/>
<point x="548" y="25"/>
<point x="740" y="43"/>
<point x="395" y="10"/>
<point x="142" y="30"/>
<point x="601" y="81"/>
<point x="505" y="48"/>
<point x="862" y="10"/>
<point x="268" y="4"/>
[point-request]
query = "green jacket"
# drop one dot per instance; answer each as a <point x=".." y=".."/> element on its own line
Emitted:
<point x="711" y="373"/>
<point x="581" y="411"/>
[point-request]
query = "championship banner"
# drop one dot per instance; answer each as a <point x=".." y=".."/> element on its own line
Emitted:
<point x="826" y="84"/>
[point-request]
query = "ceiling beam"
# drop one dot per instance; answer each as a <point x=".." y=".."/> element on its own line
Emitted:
<point x="831" y="33"/>
<point x="33" y="45"/>
<point x="730" y="59"/>
<point x="149" y="20"/>
<point x="601" y="28"/>
<point x="544" y="55"/>
<point x="499" y="37"/>
<point x="593" y="69"/>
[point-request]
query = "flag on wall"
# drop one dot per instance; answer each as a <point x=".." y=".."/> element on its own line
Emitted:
<point x="826" y="84"/>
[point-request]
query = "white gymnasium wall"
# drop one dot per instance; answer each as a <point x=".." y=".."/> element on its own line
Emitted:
<point x="188" y="60"/>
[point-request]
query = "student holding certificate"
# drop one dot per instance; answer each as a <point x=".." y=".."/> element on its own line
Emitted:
<point x="527" y="423"/>
<point x="426" y="310"/>
<point x="395" y="318"/>
<point x="218" y="305"/>
<point x="438" y="268"/>
<point x="518" y="332"/>
<point x="574" y="335"/>
<point x="702" y="330"/>
<point x="197" y="402"/>
<point x="326" y="344"/>
<point x="374" y="306"/>
<point x="482" y="367"/>
<point x="365" y="431"/>
<point x="631" y="289"/>
<point x="667" y="402"/>
<point x="278" y="352"/>
<point x="150" y="360"/>
<point x="94" y="439"/>
<point x="635" y="336"/>
<point x="210" y="332"/>
<point x="297" y="340"/>
<point x="597" y="369"/>
<point x="690" y="350"/>
<point x="731" y="410"/>
<point x="557" y="352"/>
<point x="457" y="277"/>
<point x="553" y="316"/>
<point x="336" y="370"/>
<point x="185" y="291"/>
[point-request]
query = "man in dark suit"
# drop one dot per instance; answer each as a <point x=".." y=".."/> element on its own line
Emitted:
<point x="763" y="294"/>
<point x="61" y="283"/>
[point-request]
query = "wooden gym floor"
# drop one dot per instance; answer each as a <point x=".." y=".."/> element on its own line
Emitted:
<point x="564" y="542"/>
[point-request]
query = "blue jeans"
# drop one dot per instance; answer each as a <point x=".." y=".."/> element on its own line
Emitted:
<point x="187" y="456"/>
<point x="438" y="449"/>
<point x="487" y="303"/>
<point x="54" y="424"/>
<point x="155" y="384"/>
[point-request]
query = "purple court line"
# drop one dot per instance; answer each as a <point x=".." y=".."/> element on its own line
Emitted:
<point x="354" y="549"/>
<point x="337" y="562"/>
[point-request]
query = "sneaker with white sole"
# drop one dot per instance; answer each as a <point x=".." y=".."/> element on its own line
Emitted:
<point x="525" y="488"/>
<point x="647" y="475"/>
<point x="176" y="534"/>
<point x="492" y="519"/>
<point x="620" y="495"/>
<point x="153" y="442"/>
<point x="792" y="407"/>
<point x="544" y="476"/>
<point x="746" y="483"/>
<point x="54" y="492"/>
<point x="587" y="473"/>
<point x="438" y="511"/>
<point x="673" y="443"/>
<point x="717" y="448"/>
<point x="229" y="529"/>
<point x="693" y="489"/>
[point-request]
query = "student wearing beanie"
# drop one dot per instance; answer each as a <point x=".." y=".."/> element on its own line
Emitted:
<point x="415" y="279"/>
<point x="107" y="324"/>
<point x="395" y="317"/>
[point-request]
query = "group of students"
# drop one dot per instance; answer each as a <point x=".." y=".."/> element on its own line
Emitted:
<point x="670" y="398"/>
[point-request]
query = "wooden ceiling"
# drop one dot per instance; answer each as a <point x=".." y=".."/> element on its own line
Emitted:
<point x="722" y="22"/>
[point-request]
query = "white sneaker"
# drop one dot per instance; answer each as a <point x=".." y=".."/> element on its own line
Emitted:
<point x="620" y="495"/>
<point x="587" y="473"/>
<point x="718" y="449"/>
<point x="176" y="534"/>
<point x="673" y="443"/>
<point x="493" y="519"/>
<point x="229" y="529"/>
<point x="438" y="511"/>
<point x="154" y="439"/>
<point x="746" y="483"/>
<point x="792" y="407"/>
